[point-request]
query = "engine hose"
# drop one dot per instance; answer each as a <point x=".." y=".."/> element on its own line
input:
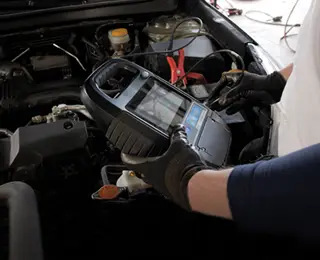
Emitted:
<point x="59" y="84"/>
<point x="49" y="97"/>
<point x="42" y="94"/>
<point x="24" y="225"/>
<point x="5" y="132"/>
<point x="112" y="170"/>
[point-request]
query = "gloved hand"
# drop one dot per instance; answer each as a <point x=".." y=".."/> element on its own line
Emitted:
<point x="170" y="173"/>
<point x="253" y="90"/>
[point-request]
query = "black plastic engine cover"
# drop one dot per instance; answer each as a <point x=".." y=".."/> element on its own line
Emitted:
<point x="32" y="144"/>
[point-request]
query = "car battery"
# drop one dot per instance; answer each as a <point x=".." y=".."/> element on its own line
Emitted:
<point x="211" y="68"/>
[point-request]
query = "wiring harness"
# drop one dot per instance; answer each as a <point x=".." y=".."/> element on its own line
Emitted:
<point x="235" y="57"/>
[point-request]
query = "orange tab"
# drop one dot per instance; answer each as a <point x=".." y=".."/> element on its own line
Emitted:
<point x="109" y="192"/>
<point x="234" y="71"/>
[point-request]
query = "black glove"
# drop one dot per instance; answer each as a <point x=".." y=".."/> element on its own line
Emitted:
<point x="253" y="90"/>
<point x="170" y="173"/>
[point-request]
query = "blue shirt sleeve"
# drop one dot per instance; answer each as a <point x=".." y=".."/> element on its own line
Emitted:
<point x="280" y="196"/>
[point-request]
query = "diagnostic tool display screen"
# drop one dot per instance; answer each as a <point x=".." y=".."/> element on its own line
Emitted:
<point x="159" y="105"/>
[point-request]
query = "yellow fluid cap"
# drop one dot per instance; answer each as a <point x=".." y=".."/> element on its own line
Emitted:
<point x="119" y="32"/>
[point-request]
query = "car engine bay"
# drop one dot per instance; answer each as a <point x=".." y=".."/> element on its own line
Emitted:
<point x="50" y="139"/>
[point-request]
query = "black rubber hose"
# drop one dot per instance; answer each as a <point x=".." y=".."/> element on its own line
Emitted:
<point x="6" y="132"/>
<point x="58" y="84"/>
<point x="55" y="91"/>
<point x="48" y="97"/>
<point x="24" y="231"/>
<point x="115" y="170"/>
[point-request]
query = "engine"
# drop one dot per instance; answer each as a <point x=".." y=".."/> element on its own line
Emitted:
<point x="44" y="123"/>
<point x="45" y="127"/>
<point x="50" y="139"/>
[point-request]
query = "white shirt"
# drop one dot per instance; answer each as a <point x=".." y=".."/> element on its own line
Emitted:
<point x="297" y="116"/>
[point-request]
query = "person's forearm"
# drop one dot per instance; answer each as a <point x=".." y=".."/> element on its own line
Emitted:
<point x="207" y="192"/>
<point x="280" y="196"/>
<point x="286" y="72"/>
